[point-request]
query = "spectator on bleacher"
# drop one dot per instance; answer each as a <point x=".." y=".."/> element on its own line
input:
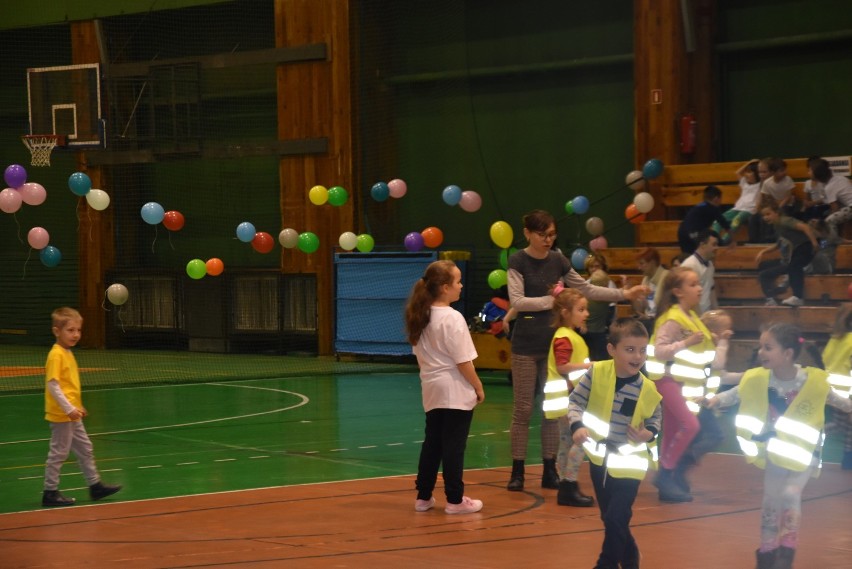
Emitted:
<point x="825" y="257"/>
<point x="797" y="243"/>
<point x="678" y="259"/>
<point x="653" y="275"/>
<point x="814" y="205"/>
<point x="746" y="204"/>
<point x="601" y="313"/>
<point x="776" y="188"/>
<point x="700" y="217"/>
<point x="701" y="261"/>
<point x="838" y="196"/>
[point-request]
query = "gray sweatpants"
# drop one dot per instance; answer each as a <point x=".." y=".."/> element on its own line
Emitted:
<point x="65" y="438"/>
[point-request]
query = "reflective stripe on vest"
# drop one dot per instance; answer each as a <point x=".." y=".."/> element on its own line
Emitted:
<point x="841" y="384"/>
<point x="557" y="387"/>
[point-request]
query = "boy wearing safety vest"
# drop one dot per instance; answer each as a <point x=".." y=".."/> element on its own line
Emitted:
<point x="615" y="415"/>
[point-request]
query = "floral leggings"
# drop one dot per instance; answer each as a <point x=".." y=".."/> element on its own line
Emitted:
<point x="782" y="506"/>
<point x="570" y="456"/>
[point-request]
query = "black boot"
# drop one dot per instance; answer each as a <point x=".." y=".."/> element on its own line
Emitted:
<point x="516" y="480"/>
<point x="784" y="558"/>
<point x="53" y="499"/>
<point x="679" y="473"/>
<point x="549" y="476"/>
<point x="569" y="495"/>
<point x="99" y="490"/>
<point x="765" y="559"/>
<point x="669" y="490"/>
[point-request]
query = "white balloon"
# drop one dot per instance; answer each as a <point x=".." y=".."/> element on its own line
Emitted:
<point x="644" y="202"/>
<point x="98" y="199"/>
<point x="117" y="294"/>
<point x="635" y="180"/>
<point x="348" y="240"/>
<point x="288" y="238"/>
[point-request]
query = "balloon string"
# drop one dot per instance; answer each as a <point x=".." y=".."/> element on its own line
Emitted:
<point x="103" y="301"/>
<point x="15" y="215"/>
<point x="30" y="252"/>
<point x="120" y="319"/>
<point x="155" y="239"/>
<point x="89" y="222"/>
<point x="170" y="241"/>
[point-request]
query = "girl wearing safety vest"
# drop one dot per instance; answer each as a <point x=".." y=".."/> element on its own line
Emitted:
<point x="567" y="361"/>
<point x="680" y="361"/>
<point x="837" y="358"/>
<point x="780" y="428"/>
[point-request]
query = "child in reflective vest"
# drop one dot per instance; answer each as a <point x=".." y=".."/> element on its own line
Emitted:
<point x="614" y="413"/>
<point x="779" y="428"/>
<point x="837" y="358"/>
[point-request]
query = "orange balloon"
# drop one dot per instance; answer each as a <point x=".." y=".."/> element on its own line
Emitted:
<point x="214" y="267"/>
<point x="262" y="242"/>
<point x="633" y="215"/>
<point x="173" y="220"/>
<point x="432" y="237"/>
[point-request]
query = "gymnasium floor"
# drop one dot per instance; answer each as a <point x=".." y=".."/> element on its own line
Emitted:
<point x="317" y="471"/>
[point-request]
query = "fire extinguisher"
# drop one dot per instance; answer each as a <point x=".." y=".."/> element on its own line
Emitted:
<point x="687" y="133"/>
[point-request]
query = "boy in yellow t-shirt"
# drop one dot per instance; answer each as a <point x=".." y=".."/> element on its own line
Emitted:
<point x="64" y="410"/>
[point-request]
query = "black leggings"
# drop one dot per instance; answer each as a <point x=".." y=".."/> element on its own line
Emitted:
<point x="771" y="270"/>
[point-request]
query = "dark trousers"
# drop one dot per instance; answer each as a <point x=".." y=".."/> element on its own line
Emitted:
<point x="596" y="341"/>
<point x="615" y="500"/>
<point x="445" y="441"/>
<point x="771" y="270"/>
<point x="707" y="439"/>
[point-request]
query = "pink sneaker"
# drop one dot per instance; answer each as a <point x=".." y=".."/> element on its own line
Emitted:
<point x="424" y="505"/>
<point x="467" y="506"/>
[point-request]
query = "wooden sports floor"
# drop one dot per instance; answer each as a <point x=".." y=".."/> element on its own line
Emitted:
<point x="318" y="472"/>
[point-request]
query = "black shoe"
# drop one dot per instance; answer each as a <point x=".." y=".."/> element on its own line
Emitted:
<point x="549" y="476"/>
<point x="669" y="490"/>
<point x="765" y="559"/>
<point x="569" y="495"/>
<point x="784" y="558"/>
<point x="99" y="490"/>
<point x="516" y="480"/>
<point x="53" y="499"/>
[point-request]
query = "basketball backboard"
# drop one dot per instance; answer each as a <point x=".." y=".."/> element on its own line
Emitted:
<point x="66" y="100"/>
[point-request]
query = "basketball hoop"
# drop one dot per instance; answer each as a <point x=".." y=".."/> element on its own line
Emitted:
<point x="41" y="145"/>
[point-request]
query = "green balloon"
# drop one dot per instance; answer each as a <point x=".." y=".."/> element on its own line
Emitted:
<point x="308" y="242"/>
<point x="497" y="278"/>
<point x="365" y="243"/>
<point x="504" y="257"/>
<point x="337" y="196"/>
<point x="569" y="207"/>
<point x="196" y="269"/>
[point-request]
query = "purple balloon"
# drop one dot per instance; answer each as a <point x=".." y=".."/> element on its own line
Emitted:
<point x="15" y="176"/>
<point x="413" y="241"/>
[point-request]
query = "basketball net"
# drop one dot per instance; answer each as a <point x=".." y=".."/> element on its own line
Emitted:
<point x="40" y="145"/>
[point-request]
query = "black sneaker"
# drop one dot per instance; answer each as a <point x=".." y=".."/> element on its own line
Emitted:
<point x="99" y="490"/>
<point x="53" y="499"/>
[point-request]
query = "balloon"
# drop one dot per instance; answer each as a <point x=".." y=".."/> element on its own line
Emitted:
<point x="117" y="294"/>
<point x="635" y="181"/>
<point x="380" y="191"/>
<point x="337" y="196"/>
<point x="581" y="205"/>
<point x="15" y="175"/>
<point x="598" y="243"/>
<point x="504" y="256"/>
<point x="308" y="242"/>
<point x="634" y="215"/>
<point x="569" y="207"/>
<point x="451" y="195"/>
<point x="644" y="202"/>
<point x="413" y="242"/>
<point x="497" y="278"/>
<point x="245" y="232"/>
<point x="318" y="195"/>
<point x="10" y="200"/>
<point x="288" y="238"/>
<point x="470" y="201"/>
<point x="262" y="242"/>
<point x="81" y="184"/>
<point x="501" y="234"/>
<point x="196" y="269"/>
<point x="214" y="267"/>
<point x="432" y="237"/>
<point x="97" y="199"/>
<point x="50" y="256"/>
<point x="348" y="240"/>
<point x="33" y="193"/>
<point x="38" y="238"/>
<point x="578" y="258"/>
<point x="152" y="213"/>
<point x="595" y="225"/>
<point x="173" y="220"/>
<point x="652" y="168"/>
<point x="397" y="188"/>
<point x="365" y="243"/>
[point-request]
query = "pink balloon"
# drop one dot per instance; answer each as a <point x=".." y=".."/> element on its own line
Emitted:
<point x="397" y="188"/>
<point x="598" y="243"/>
<point x="33" y="193"/>
<point x="10" y="200"/>
<point x="38" y="238"/>
<point x="470" y="201"/>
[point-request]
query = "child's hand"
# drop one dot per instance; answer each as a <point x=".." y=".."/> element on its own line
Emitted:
<point x="77" y="414"/>
<point x="640" y="435"/>
<point x="480" y="394"/>
<point x="695" y="338"/>
<point x="580" y="436"/>
<point x="710" y="403"/>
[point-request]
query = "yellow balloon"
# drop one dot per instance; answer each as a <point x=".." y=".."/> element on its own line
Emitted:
<point x="318" y="195"/>
<point x="501" y="234"/>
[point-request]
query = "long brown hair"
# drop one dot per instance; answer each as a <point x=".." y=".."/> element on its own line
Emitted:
<point x="424" y="293"/>
<point x="567" y="299"/>
<point x="672" y="281"/>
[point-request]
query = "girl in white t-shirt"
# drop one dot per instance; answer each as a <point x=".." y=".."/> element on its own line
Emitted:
<point x="746" y="204"/>
<point x="449" y="383"/>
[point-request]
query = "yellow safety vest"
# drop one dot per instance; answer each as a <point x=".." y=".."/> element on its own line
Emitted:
<point x="836" y="359"/>
<point x="690" y="367"/>
<point x="556" y="389"/>
<point x="630" y="460"/>
<point x="796" y="435"/>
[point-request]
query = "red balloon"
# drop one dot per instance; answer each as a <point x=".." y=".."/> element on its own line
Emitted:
<point x="262" y="242"/>
<point x="173" y="220"/>
<point x="633" y="215"/>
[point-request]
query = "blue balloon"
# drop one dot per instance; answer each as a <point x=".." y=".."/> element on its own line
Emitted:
<point x="50" y="256"/>
<point x="581" y="205"/>
<point x="452" y="195"/>
<point x="246" y="232"/>
<point x="578" y="259"/>
<point x="380" y="191"/>
<point x="653" y="168"/>
<point x="152" y="213"/>
<point x="80" y="183"/>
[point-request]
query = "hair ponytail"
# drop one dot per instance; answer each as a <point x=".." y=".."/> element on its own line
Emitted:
<point x="425" y="291"/>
